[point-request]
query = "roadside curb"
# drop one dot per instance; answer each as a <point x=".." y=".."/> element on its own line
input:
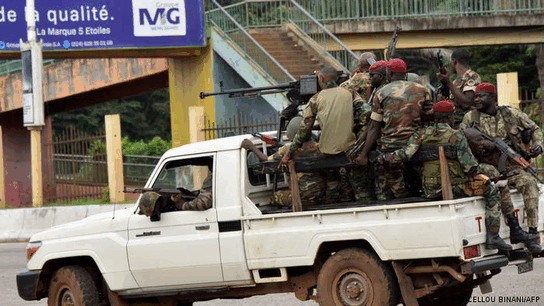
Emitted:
<point x="19" y="224"/>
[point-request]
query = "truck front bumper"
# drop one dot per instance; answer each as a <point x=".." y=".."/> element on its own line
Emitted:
<point x="484" y="264"/>
<point x="27" y="284"/>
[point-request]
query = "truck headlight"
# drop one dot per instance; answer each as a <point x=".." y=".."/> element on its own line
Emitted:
<point x="32" y="248"/>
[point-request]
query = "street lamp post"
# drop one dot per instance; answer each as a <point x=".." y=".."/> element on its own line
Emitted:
<point x="33" y="108"/>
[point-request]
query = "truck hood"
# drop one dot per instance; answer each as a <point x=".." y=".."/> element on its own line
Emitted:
<point x="92" y="225"/>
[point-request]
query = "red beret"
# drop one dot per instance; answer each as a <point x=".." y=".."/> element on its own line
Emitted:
<point x="443" y="107"/>
<point x="486" y="87"/>
<point x="378" y="65"/>
<point x="397" y="65"/>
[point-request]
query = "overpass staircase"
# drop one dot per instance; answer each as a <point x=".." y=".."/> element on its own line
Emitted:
<point x="270" y="50"/>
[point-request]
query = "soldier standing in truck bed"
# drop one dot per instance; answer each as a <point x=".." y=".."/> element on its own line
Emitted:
<point x="462" y="88"/>
<point x="360" y="79"/>
<point x="396" y="114"/>
<point x="333" y="106"/>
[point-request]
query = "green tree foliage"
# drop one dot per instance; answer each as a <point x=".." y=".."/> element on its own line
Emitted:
<point x="156" y="147"/>
<point x="142" y="117"/>
<point x="490" y="60"/>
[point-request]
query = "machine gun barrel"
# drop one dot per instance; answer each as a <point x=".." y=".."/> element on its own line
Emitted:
<point x="251" y="91"/>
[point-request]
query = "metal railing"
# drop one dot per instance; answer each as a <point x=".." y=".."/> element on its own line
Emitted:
<point x="314" y="29"/>
<point x="337" y="10"/>
<point x="138" y="168"/>
<point x="12" y="66"/>
<point x="232" y="29"/>
<point x="274" y="13"/>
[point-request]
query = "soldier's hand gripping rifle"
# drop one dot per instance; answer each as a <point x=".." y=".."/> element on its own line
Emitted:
<point x="508" y="153"/>
<point x="443" y="89"/>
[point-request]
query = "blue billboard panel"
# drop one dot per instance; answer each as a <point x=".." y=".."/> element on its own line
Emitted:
<point x="105" y="24"/>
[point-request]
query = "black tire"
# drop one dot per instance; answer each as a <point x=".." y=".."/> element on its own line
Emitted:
<point x="72" y="286"/>
<point x="356" y="277"/>
<point x="459" y="299"/>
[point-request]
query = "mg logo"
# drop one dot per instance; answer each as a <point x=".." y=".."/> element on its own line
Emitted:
<point x="170" y="16"/>
<point x="159" y="18"/>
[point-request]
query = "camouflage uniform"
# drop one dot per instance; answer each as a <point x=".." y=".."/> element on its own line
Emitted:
<point x="336" y="135"/>
<point x="399" y="106"/>
<point x="463" y="171"/>
<point x="467" y="82"/>
<point x="311" y="185"/>
<point x="507" y="124"/>
<point x="203" y="201"/>
<point x="359" y="83"/>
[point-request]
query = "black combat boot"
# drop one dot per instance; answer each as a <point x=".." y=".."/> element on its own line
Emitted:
<point x="517" y="234"/>
<point x="493" y="240"/>
<point x="533" y="245"/>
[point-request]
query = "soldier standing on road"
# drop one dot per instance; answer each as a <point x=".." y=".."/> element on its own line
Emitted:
<point x="466" y="176"/>
<point x="333" y="107"/>
<point x="462" y="89"/>
<point x="510" y="125"/>
<point x="311" y="184"/>
<point x="360" y="80"/>
<point x="396" y="115"/>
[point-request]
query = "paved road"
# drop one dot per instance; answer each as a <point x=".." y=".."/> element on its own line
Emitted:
<point x="506" y="284"/>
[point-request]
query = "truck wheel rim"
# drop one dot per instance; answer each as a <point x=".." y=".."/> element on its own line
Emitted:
<point x="66" y="298"/>
<point x="354" y="288"/>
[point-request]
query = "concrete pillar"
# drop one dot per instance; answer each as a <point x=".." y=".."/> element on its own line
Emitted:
<point x="187" y="77"/>
<point x="115" y="158"/>
<point x="36" y="165"/>
<point x="196" y="124"/>
<point x="507" y="89"/>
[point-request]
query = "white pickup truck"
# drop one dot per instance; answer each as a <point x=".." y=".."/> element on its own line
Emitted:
<point x="426" y="252"/>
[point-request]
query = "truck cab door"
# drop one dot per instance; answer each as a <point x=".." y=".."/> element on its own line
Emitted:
<point x="181" y="250"/>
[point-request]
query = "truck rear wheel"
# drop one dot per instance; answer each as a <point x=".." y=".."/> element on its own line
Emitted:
<point x="356" y="277"/>
<point x="72" y="286"/>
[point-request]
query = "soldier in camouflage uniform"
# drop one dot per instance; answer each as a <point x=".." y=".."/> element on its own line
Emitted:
<point x="334" y="108"/>
<point x="484" y="150"/>
<point x="465" y="174"/>
<point x="203" y="201"/>
<point x="462" y="89"/>
<point x="396" y="115"/>
<point x="509" y="124"/>
<point x="360" y="80"/>
<point x="311" y="184"/>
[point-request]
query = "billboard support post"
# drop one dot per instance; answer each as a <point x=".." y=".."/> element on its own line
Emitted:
<point x="33" y="108"/>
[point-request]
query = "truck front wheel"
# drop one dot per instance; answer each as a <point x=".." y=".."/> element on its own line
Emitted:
<point x="356" y="277"/>
<point x="72" y="286"/>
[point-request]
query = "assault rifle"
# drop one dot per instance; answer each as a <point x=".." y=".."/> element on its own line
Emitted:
<point x="443" y="89"/>
<point x="392" y="44"/>
<point x="164" y="192"/>
<point x="508" y="152"/>
<point x="269" y="140"/>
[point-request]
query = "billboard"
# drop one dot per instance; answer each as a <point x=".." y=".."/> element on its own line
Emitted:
<point x="105" y="24"/>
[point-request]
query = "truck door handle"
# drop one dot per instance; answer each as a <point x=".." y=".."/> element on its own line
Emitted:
<point x="202" y="227"/>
